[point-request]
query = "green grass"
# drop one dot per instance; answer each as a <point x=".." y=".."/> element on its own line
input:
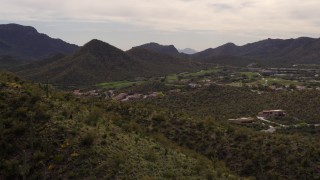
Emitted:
<point x="250" y="75"/>
<point x="175" y="77"/>
<point x="172" y="77"/>
<point x="200" y="73"/>
<point x="271" y="81"/>
<point x="119" y="84"/>
<point x="280" y="81"/>
<point x="175" y="85"/>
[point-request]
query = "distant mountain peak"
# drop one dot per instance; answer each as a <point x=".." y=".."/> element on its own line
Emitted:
<point x="25" y="42"/>
<point x="188" y="51"/>
<point x="95" y="43"/>
<point x="17" y="27"/>
<point x="96" y="47"/>
<point x="230" y="44"/>
<point x="157" y="45"/>
<point x="163" y="49"/>
<point x="153" y="44"/>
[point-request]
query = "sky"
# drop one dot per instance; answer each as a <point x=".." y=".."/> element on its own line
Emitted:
<point x="197" y="24"/>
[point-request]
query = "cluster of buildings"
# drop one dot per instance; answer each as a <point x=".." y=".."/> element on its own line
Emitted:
<point x="202" y="83"/>
<point x="123" y="97"/>
<point x="93" y="93"/>
<point x="288" y="72"/>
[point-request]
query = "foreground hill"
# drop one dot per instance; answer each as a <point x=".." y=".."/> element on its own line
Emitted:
<point x="7" y="62"/>
<point x="64" y="137"/>
<point x="177" y="136"/>
<point x="248" y="153"/>
<point x="269" y="52"/>
<point x="25" y="42"/>
<point x="98" y="61"/>
<point x="95" y="62"/>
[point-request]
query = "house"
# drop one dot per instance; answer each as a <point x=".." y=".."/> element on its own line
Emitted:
<point x="242" y="120"/>
<point x="272" y="113"/>
<point x="206" y="80"/>
<point x="130" y="97"/>
<point x="153" y="94"/>
<point x="120" y="96"/>
<point x="300" y="88"/>
<point x="92" y="93"/>
<point x="77" y="93"/>
<point x="134" y="96"/>
<point x="194" y="85"/>
<point x="109" y="94"/>
<point x="185" y="81"/>
<point x="266" y="72"/>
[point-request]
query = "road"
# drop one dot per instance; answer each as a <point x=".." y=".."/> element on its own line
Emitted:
<point x="273" y="129"/>
<point x="270" y="130"/>
<point x="265" y="120"/>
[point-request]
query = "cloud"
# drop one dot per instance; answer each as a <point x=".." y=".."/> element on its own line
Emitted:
<point x="170" y="14"/>
<point x="221" y="6"/>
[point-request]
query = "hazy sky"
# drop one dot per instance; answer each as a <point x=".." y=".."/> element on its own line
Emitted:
<point x="198" y="24"/>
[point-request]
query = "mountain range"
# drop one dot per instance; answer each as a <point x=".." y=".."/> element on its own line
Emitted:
<point x="274" y="52"/>
<point x="26" y="43"/>
<point x="97" y="61"/>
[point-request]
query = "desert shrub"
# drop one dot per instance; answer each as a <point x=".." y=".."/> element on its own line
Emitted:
<point x="151" y="156"/>
<point x="38" y="155"/>
<point x="94" y="116"/>
<point x="159" y="117"/>
<point x="87" y="140"/>
<point x="20" y="128"/>
<point x="131" y="126"/>
<point x="169" y="175"/>
<point x="147" y="178"/>
<point x="103" y="142"/>
<point x="10" y="169"/>
<point x="59" y="158"/>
